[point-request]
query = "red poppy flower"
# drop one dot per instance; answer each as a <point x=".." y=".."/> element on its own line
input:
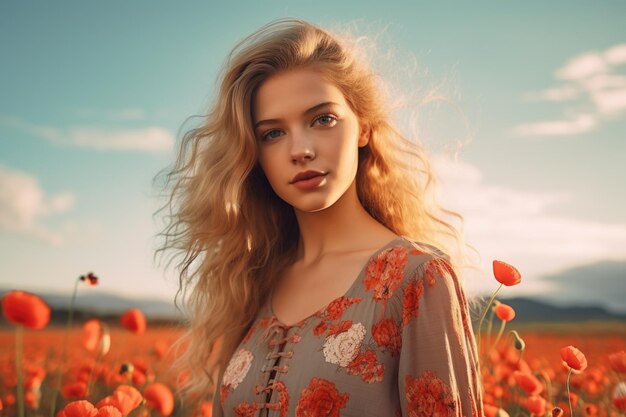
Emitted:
<point x="108" y="411"/>
<point x="26" y="309"/>
<point x="134" y="320"/>
<point x="505" y="312"/>
<point x="91" y="334"/>
<point x="528" y="382"/>
<point x="125" y="398"/>
<point x="159" y="397"/>
<point x="536" y="405"/>
<point x="618" y="361"/>
<point x="490" y="410"/>
<point x="506" y="274"/>
<point x="557" y="412"/>
<point x="574" y="358"/>
<point x="80" y="408"/>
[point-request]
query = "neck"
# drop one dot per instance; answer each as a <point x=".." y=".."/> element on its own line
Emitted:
<point x="344" y="226"/>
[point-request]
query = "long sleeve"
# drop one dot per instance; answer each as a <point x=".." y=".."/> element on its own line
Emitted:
<point x="438" y="370"/>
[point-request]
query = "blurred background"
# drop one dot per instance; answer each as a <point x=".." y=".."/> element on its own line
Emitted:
<point x="528" y="144"/>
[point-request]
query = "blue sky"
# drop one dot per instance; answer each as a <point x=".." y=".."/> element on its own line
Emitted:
<point x="94" y="97"/>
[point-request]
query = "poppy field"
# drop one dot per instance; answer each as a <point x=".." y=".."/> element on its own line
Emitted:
<point x="97" y="368"/>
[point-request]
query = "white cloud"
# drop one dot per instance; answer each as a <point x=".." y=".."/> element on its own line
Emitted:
<point x="616" y="55"/>
<point x="588" y="76"/>
<point x="583" y="66"/>
<point x="152" y="139"/>
<point x="562" y="93"/>
<point x="23" y="204"/>
<point x="580" y="124"/>
<point x="517" y="227"/>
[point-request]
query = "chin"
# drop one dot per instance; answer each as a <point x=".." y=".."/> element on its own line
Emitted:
<point x="312" y="207"/>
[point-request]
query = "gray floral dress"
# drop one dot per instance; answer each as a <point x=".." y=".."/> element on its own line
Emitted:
<point x="399" y="342"/>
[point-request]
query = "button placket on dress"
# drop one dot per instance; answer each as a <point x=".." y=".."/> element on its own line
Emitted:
<point x="277" y="338"/>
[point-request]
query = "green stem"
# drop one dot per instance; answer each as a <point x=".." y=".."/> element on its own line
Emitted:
<point x="490" y="323"/>
<point x="19" y="331"/>
<point x="68" y="327"/>
<point x="502" y="324"/>
<point x="569" y="397"/>
<point x="482" y="318"/>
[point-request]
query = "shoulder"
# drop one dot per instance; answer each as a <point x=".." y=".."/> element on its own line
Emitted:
<point x="411" y="276"/>
<point x="425" y="265"/>
<point x="397" y="266"/>
<point x="424" y="260"/>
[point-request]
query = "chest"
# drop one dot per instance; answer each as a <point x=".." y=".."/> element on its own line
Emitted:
<point x="303" y="291"/>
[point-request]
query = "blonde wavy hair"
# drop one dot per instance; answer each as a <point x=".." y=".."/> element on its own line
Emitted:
<point x="235" y="234"/>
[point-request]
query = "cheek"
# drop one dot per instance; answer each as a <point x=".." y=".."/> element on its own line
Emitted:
<point x="267" y="166"/>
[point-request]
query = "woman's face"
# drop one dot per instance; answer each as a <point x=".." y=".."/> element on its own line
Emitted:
<point x="306" y="130"/>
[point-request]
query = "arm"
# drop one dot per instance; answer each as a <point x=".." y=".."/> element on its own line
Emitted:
<point x="438" y="371"/>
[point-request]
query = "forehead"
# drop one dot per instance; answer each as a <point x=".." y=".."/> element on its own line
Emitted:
<point x="292" y="92"/>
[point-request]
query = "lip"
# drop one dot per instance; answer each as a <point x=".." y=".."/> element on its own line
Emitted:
<point x="311" y="183"/>
<point x="307" y="175"/>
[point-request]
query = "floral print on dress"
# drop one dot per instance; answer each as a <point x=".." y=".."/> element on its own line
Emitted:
<point x="321" y="399"/>
<point x="245" y="410"/>
<point x="237" y="369"/>
<point x="283" y="398"/>
<point x="429" y="396"/>
<point x="341" y="348"/>
<point x="411" y="299"/>
<point x="366" y="366"/>
<point x="385" y="273"/>
<point x="388" y="334"/>
<point x="332" y="312"/>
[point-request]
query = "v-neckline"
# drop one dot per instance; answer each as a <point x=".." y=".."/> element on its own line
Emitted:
<point x="354" y="284"/>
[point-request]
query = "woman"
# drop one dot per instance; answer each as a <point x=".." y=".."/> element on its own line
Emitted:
<point x="322" y="286"/>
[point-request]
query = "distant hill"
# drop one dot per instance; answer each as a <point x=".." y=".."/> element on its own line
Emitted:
<point x="532" y="310"/>
<point x="110" y="306"/>
<point x="107" y="306"/>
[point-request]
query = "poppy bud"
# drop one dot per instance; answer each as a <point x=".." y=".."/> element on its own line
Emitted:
<point x="502" y="413"/>
<point x="89" y="279"/>
<point x="518" y="341"/>
<point x="126" y="368"/>
<point x="505" y="312"/>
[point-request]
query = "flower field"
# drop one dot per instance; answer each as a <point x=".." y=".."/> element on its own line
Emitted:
<point x="121" y="368"/>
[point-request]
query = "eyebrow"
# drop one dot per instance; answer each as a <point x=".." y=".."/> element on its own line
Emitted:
<point x="306" y="112"/>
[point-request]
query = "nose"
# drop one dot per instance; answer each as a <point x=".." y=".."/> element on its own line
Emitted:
<point x="301" y="148"/>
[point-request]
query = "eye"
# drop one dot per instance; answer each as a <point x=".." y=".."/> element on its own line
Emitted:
<point x="326" y="120"/>
<point x="270" y="134"/>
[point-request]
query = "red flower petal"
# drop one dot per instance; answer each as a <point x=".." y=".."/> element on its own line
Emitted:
<point x="29" y="310"/>
<point x="159" y="397"/>
<point x="574" y="358"/>
<point x="134" y="320"/>
<point x="506" y="274"/>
